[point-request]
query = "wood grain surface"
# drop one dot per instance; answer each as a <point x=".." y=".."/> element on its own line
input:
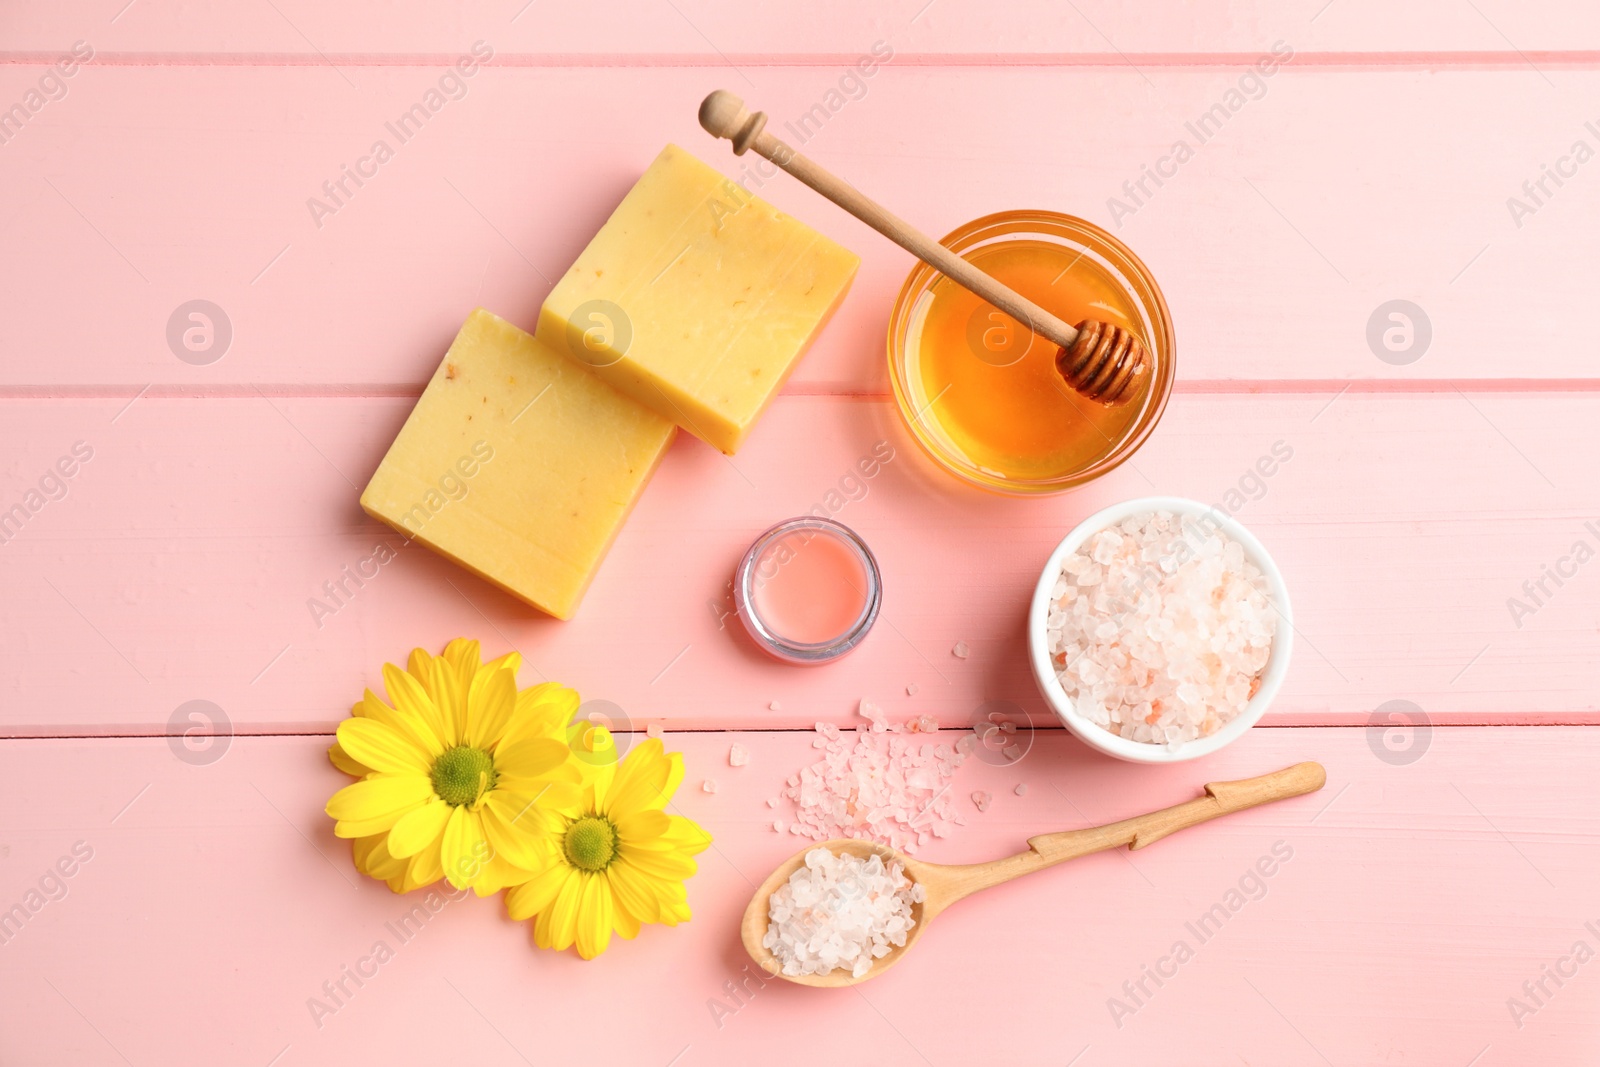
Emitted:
<point x="1426" y="503"/>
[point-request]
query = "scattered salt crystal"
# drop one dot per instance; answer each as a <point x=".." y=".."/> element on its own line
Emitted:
<point x="772" y="802"/>
<point x="775" y="706"/>
<point x="960" y="651"/>
<point x="840" y="912"/>
<point x="911" y="690"/>
<point x="1022" y="789"/>
<point x="777" y="825"/>
<point x="738" y="756"/>
<point x="881" y="782"/>
<point x="1012" y="752"/>
<point x="1171" y="642"/>
<point x="654" y="729"/>
<point x="982" y="800"/>
<point x="709" y="786"/>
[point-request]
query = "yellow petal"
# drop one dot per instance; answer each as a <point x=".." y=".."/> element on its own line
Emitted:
<point x="412" y="726"/>
<point x="548" y="793"/>
<point x="426" y="868"/>
<point x="381" y="747"/>
<point x="464" y="655"/>
<point x="378" y="824"/>
<point x="642" y="827"/>
<point x="627" y="926"/>
<point x="418" y="829"/>
<point x="597" y="780"/>
<point x="500" y="874"/>
<point x="644" y="781"/>
<point x="341" y="759"/>
<point x="687" y="835"/>
<point x="557" y="925"/>
<point x="634" y="893"/>
<point x="464" y="851"/>
<point x="373" y="859"/>
<point x="515" y="843"/>
<point x="450" y="696"/>
<point x="594" y="917"/>
<point x="530" y="759"/>
<point x="534" y="896"/>
<point x="542" y="710"/>
<point x="380" y="795"/>
<point x="490" y="702"/>
<point x="410" y="698"/>
<point x="670" y="866"/>
<point x="511" y="661"/>
<point x="682" y="835"/>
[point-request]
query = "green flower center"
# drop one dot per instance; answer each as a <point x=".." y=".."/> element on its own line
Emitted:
<point x="462" y="774"/>
<point x="590" y="843"/>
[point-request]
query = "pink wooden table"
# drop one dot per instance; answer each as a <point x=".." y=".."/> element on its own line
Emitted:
<point x="1438" y="906"/>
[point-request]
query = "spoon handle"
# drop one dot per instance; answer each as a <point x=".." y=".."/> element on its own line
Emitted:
<point x="1222" y="798"/>
<point x="724" y="115"/>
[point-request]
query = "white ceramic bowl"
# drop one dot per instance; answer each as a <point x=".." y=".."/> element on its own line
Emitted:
<point x="1104" y="740"/>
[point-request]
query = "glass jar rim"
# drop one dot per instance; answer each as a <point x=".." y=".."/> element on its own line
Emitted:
<point x="1112" y="254"/>
<point x="765" y="635"/>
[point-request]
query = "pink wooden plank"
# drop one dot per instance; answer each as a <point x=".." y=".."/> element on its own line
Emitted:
<point x="151" y="186"/>
<point x="708" y="30"/>
<point x="183" y="562"/>
<point x="1415" y="901"/>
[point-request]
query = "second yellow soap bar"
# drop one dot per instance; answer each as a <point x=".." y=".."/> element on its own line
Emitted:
<point x="697" y="298"/>
<point x="518" y="464"/>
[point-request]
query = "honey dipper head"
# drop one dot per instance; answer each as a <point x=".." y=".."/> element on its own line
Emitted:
<point x="1106" y="363"/>
<point x="723" y="114"/>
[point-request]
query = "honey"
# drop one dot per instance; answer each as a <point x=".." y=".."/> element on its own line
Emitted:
<point x="981" y="392"/>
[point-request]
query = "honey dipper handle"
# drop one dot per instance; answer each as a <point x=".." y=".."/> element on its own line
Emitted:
<point x="724" y="115"/>
<point x="1222" y="798"/>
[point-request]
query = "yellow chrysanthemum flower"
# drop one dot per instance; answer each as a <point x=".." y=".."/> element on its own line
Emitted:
<point x="461" y="778"/>
<point x="619" y="859"/>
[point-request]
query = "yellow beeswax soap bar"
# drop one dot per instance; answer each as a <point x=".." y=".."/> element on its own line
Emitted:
<point x="518" y="464"/>
<point x="697" y="298"/>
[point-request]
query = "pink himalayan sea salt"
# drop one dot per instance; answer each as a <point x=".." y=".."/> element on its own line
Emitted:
<point x="840" y="911"/>
<point x="879" y="782"/>
<point x="1159" y="629"/>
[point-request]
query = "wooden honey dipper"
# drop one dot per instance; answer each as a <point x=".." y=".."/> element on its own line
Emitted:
<point x="1099" y="360"/>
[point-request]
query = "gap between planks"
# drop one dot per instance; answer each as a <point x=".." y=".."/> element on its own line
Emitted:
<point x="1567" y="722"/>
<point x="1196" y="387"/>
<point x="1337" y="61"/>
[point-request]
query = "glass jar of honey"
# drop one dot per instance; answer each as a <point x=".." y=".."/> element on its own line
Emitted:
<point x="980" y="392"/>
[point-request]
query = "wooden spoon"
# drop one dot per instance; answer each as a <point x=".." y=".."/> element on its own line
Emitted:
<point x="944" y="885"/>
<point x="1103" y="362"/>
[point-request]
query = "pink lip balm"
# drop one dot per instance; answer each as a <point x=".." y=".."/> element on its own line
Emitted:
<point x="808" y="590"/>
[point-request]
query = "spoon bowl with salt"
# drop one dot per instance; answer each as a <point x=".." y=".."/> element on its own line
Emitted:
<point x="930" y="888"/>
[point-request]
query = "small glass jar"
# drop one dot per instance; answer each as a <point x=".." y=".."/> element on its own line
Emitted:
<point x="808" y="590"/>
<point x="980" y="393"/>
